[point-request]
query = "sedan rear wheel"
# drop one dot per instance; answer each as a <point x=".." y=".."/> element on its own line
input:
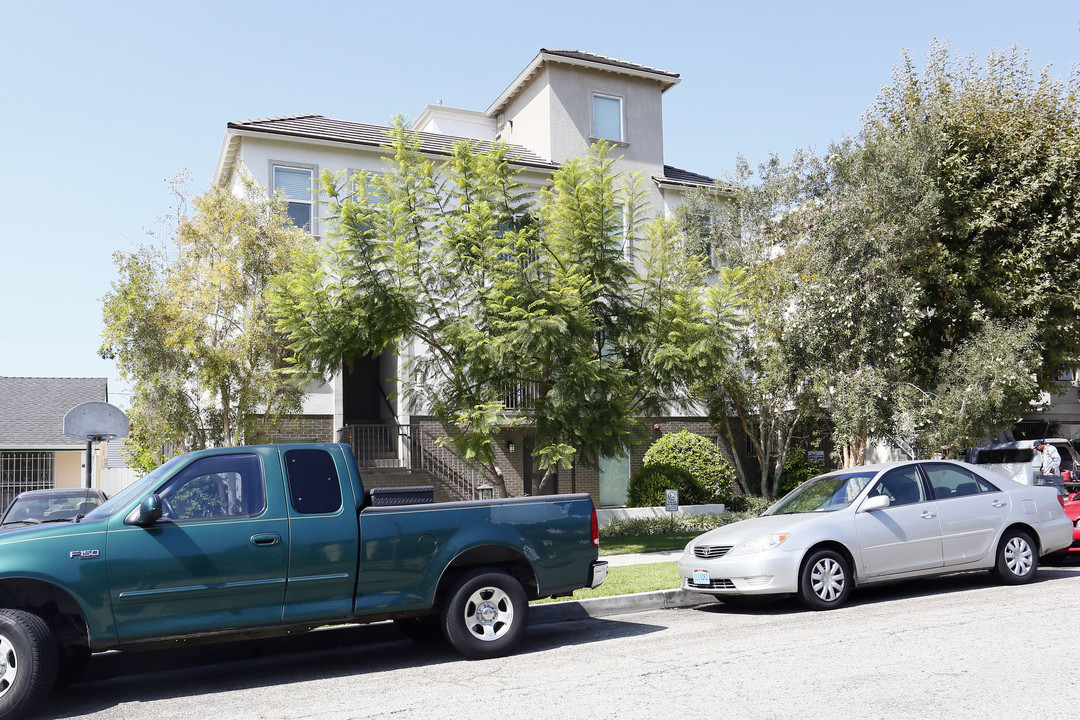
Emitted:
<point x="1017" y="558"/>
<point x="825" y="580"/>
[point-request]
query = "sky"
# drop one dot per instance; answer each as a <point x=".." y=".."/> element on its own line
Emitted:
<point x="102" y="103"/>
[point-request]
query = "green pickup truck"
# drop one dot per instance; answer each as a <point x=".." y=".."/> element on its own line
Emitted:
<point x="256" y="541"/>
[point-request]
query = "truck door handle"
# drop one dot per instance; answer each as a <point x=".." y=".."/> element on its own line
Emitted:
<point x="927" y="515"/>
<point x="265" y="539"/>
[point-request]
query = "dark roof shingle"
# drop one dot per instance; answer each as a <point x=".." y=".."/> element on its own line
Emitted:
<point x="318" y="127"/>
<point x="677" y="176"/>
<point x="32" y="410"/>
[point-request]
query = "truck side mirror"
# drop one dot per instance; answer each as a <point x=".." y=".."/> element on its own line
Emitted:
<point x="148" y="512"/>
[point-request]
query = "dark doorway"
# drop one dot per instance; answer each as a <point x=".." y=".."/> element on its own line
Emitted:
<point x="362" y="402"/>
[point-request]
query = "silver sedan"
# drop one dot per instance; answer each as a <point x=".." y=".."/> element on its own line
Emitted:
<point x="880" y="523"/>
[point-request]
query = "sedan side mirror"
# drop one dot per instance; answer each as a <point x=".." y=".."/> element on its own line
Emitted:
<point x="877" y="502"/>
<point x="148" y="512"/>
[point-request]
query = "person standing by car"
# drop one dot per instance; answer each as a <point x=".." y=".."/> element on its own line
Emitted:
<point x="1051" y="459"/>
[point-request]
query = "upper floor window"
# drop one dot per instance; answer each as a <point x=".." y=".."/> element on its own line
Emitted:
<point x="607" y="117"/>
<point x="296" y="182"/>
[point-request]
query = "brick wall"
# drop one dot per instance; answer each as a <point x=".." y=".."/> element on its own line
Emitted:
<point x="303" y="428"/>
<point x="583" y="478"/>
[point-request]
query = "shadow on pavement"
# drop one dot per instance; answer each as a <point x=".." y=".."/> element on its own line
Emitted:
<point x="888" y="591"/>
<point x="159" y="675"/>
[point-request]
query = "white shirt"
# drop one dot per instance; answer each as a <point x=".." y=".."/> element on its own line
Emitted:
<point x="1051" y="460"/>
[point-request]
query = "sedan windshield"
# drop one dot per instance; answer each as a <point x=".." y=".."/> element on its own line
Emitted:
<point x="824" y="493"/>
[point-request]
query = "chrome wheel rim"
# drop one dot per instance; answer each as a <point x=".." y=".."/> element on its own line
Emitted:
<point x="827" y="579"/>
<point x="1018" y="556"/>
<point x="489" y="614"/>
<point x="9" y="665"/>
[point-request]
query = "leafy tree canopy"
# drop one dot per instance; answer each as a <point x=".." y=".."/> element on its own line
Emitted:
<point x="914" y="281"/>
<point x="189" y="326"/>
<point x="566" y="305"/>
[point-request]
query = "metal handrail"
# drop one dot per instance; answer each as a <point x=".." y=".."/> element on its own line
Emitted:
<point x="391" y="444"/>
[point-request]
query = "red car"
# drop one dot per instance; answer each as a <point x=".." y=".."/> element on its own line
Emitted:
<point x="1071" y="504"/>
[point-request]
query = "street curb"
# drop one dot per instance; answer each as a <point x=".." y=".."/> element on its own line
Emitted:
<point x="615" y="605"/>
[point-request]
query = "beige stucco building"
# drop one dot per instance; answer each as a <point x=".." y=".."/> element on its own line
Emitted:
<point x="552" y="111"/>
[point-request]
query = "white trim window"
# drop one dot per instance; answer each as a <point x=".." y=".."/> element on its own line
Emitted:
<point x="607" y="118"/>
<point x="296" y="183"/>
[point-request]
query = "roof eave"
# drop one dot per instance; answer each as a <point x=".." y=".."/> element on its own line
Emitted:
<point x="297" y="136"/>
<point x="666" y="81"/>
<point x="230" y="148"/>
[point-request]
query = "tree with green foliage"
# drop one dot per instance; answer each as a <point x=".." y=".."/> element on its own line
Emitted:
<point x="999" y="149"/>
<point x="764" y="391"/>
<point x="570" y="300"/>
<point x="895" y="262"/>
<point x="189" y="326"/>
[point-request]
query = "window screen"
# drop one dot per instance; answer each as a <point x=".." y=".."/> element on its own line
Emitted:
<point x="313" y="481"/>
<point x="607" y="117"/>
<point x="296" y="183"/>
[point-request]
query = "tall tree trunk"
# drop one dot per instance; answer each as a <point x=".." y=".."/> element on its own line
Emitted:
<point x="727" y="439"/>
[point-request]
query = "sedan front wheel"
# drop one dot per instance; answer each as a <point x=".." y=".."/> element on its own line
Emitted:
<point x="825" y="580"/>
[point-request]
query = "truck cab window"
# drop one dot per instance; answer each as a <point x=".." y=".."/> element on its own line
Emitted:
<point x="313" y="481"/>
<point x="216" y="487"/>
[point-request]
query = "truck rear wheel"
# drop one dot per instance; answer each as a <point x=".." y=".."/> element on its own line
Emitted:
<point x="485" y="614"/>
<point x="27" y="661"/>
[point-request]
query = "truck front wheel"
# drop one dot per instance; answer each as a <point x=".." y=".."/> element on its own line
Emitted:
<point x="27" y="661"/>
<point x="485" y="614"/>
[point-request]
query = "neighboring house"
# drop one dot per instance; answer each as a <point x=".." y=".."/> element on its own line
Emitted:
<point x="561" y="103"/>
<point x="34" y="452"/>
<point x="1056" y="412"/>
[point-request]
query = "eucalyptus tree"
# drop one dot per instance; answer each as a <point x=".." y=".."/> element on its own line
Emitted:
<point x="189" y="325"/>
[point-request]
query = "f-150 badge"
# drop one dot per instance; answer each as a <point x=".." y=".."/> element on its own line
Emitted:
<point x="85" y="554"/>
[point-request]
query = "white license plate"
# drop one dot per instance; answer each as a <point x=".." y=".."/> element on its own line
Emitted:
<point x="701" y="577"/>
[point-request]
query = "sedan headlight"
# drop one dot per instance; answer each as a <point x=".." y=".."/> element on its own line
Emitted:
<point x="760" y="544"/>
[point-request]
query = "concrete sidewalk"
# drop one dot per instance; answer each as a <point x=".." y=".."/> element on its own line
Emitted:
<point x="642" y="558"/>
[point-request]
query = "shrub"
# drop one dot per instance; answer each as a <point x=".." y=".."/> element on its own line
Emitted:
<point x="699" y="457"/>
<point x="750" y="505"/>
<point x="798" y="468"/>
<point x="637" y="527"/>
<point x="647" y="487"/>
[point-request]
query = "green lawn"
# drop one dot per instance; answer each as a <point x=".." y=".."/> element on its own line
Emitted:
<point x="623" y="544"/>
<point x="631" y="579"/>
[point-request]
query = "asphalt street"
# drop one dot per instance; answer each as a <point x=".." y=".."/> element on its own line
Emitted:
<point x="955" y="647"/>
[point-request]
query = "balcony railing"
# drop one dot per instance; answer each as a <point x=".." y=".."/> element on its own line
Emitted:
<point x="519" y="396"/>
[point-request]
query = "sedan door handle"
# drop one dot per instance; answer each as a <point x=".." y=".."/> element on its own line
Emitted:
<point x="927" y="515"/>
<point x="268" y="539"/>
<point x="998" y="503"/>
